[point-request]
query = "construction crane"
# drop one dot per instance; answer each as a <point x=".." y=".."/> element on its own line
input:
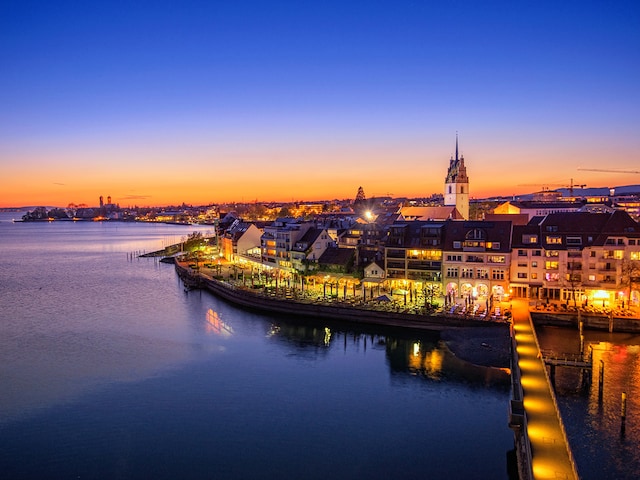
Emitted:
<point x="545" y="186"/>
<point x="605" y="170"/>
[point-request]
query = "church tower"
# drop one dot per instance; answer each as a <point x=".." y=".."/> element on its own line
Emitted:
<point x="456" y="186"/>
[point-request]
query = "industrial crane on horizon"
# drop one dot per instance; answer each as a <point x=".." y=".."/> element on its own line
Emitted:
<point x="545" y="186"/>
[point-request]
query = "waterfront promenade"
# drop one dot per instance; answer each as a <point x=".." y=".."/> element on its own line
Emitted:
<point x="550" y="455"/>
<point x="351" y="304"/>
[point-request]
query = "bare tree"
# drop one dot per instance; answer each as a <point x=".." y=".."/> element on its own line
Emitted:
<point x="630" y="276"/>
<point x="574" y="276"/>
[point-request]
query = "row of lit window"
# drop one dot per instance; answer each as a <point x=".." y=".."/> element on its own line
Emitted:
<point x="482" y="273"/>
<point x="477" y="259"/>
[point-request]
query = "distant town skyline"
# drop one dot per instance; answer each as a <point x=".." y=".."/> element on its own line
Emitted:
<point x="209" y="102"/>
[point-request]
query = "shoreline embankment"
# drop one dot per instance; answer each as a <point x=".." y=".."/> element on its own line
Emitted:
<point x="330" y="310"/>
<point x="609" y="323"/>
<point x="480" y="342"/>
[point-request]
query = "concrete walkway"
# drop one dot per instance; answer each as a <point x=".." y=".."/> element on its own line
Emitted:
<point x="551" y="456"/>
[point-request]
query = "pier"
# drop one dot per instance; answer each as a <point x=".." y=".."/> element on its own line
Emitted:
<point x="541" y="441"/>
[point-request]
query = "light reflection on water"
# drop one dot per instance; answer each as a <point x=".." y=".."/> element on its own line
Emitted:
<point x="594" y="425"/>
<point x="110" y="369"/>
<point x="216" y="325"/>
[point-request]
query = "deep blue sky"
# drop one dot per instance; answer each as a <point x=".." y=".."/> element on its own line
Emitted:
<point x="304" y="100"/>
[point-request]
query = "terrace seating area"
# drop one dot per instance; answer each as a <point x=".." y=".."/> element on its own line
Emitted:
<point x="605" y="311"/>
<point x="386" y="302"/>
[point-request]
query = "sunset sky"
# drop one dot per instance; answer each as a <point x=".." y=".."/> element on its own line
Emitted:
<point x="159" y="102"/>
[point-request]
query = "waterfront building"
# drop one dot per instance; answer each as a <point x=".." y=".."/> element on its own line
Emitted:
<point x="456" y="188"/>
<point x="413" y="256"/>
<point x="527" y="265"/>
<point x="578" y="258"/>
<point x="374" y="273"/>
<point x="241" y="240"/>
<point x="278" y="239"/>
<point x="476" y="259"/>
<point x="308" y="249"/>
<point x="367" y="236"/>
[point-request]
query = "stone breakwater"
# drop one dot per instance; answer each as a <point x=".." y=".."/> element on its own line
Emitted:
<point x="483" y="342"/>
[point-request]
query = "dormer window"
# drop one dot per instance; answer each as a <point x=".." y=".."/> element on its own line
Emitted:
<point x="475" y="239"/>
<point x="475" y="234"/>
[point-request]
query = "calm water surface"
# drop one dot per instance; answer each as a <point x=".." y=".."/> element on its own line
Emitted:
<point x="108" y="369"/>
<point x="601" y="448"/>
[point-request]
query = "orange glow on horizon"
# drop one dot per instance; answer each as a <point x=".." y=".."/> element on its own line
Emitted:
<point x="334" y="172"/>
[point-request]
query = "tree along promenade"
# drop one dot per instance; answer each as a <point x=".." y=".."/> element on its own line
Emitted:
<point x="284" y="300"/>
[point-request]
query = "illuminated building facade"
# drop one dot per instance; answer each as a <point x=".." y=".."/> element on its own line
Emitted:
<point x="413" y="255"/>
<point x="578" y="258"/>
<point x="278" y="239"/>
<point x="308" y="249"/>
<point x="241" y="240"/>
<point x="475" y="260"/>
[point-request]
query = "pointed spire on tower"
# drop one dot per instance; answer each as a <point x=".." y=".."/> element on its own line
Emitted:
<point x="456" y="145"/>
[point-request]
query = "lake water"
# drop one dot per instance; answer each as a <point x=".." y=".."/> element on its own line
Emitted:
<point x="601" y="449"/>
<point x="109" y="369"/>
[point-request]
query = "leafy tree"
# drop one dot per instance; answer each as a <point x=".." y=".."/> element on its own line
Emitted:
<point x="284" y="212"/>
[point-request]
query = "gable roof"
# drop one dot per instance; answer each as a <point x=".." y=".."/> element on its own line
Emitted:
<point x="336" y="256"/>
<point x="307" y="240"/>
<point x="430" y="213"/>
<point x="589" y="229"/>
<point x="495" y="232"/>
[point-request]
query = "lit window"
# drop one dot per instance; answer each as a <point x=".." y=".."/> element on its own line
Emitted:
<point x="497" y="274"/>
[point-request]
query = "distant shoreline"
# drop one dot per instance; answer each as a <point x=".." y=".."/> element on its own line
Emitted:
<point x="110" y="220"/>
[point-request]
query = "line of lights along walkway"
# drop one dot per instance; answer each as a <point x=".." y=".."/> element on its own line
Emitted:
<point x="549" y="455"/>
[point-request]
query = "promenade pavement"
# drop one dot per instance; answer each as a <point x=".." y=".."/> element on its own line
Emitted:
<point x="551" y="457"/>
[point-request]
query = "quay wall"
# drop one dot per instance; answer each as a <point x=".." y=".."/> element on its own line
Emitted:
<point x="593" y="322"/>
<point x="332" y="311"/>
